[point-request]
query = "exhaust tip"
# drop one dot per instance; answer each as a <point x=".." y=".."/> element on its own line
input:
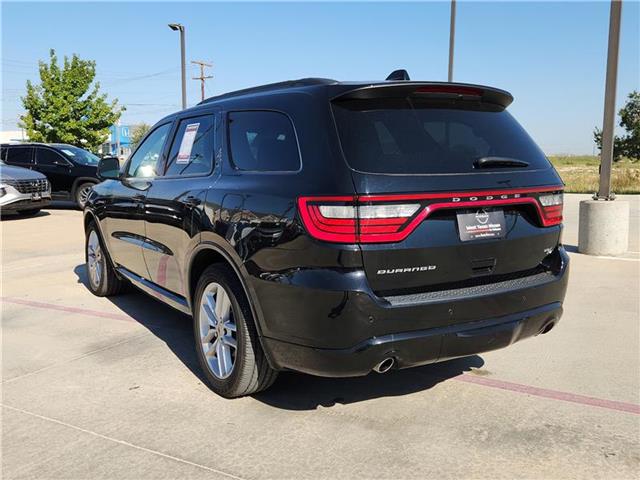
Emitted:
<point x="385" y="365"/>
<point x="547" y="328"/>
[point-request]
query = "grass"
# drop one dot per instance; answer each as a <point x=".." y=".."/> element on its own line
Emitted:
<point x="580" y="174"/>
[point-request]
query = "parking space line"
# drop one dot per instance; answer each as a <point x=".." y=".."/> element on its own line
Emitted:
<point x="487" y="382"/>
<point x="123" y="442"/>
<point x="551" y="394"/>
<point x="608" y="257"/>
<point x="63" y="308"/>
<point x="624" y="259"/>
<point x="83" y="311"/>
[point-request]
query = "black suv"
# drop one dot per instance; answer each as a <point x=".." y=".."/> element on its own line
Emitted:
<point x="336" y="228"/>
<point x="71" y="171"/>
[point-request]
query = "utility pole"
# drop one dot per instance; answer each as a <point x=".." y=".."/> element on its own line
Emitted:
<point x="202" y="77"/>
<point x="177" y="27"/>
<point x="606" y="155"/>
<point x="452" y="37"/>
<point x="116" y="128"/>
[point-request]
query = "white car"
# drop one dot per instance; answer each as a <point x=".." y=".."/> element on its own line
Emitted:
<point x="23" y="191"/>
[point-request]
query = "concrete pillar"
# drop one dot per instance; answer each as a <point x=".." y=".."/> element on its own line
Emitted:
<point x="603" y="228"/>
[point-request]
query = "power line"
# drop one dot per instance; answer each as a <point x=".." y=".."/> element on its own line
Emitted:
<point x="141" y="77"/>
<point x="121" y="74"/>
<point x="202" y="77"/>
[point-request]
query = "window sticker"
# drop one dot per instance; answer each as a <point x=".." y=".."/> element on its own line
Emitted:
<point x="69" y="152"/>
<point x="184" y="154"/>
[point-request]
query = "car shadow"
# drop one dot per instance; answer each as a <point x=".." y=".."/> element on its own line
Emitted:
<point x="171" y="326"/>
<point x="53" y="205"/>
<point x="11" y="216"/>
<point x="296" y="391"/>
<point x="571" y="248"/>
<point x="291" y="391"/>
<point x="63" y="204"/>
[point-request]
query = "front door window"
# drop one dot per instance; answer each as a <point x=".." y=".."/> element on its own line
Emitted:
<point x="146" y="160"/>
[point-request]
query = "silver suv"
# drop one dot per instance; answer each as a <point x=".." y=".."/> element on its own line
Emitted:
<point x="23" y="191"/>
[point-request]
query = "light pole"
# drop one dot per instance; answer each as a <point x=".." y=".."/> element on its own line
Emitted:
<point x="180" y="28"/>
<point x="603" y="227"/>
<point x="606" y="155"/>
<point x="452" y="37"/>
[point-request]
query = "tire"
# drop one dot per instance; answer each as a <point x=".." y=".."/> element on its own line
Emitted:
<point x="82" y="193"/>
<point x="102" y="278"/>
<point x="248" y="371"/>
<point x="29" y="213"/>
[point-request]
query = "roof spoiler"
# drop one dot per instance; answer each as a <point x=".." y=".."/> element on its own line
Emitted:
<point x="436" y="90"/>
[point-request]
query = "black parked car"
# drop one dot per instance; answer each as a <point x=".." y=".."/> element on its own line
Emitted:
<point x="71" y="170"/>
<point x="336" y="228"/>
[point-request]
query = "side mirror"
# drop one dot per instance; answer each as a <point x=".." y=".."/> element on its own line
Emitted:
<point x="61" y="163"/>
<point x="109" y="168"/>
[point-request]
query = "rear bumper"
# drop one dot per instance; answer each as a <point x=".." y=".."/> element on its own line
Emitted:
<point x="341" y="333"/>
<point x="411" y="349"/>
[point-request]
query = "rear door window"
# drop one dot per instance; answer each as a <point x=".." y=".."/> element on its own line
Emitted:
<point x="192" y="148"/>
<point x="263" y="141"/>
<point x="413" y="136"/>
<point x="19" y="156"/>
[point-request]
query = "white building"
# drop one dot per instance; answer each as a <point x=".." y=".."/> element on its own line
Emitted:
<point x="13" y="136"/>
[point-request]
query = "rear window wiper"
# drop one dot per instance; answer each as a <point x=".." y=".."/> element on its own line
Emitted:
<point x="489" y="162"/>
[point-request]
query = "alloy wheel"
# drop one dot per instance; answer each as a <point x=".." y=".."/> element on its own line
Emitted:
<point x="83" y="196"/>
<point x="94" y="259"/>
<point x="218" y="336"/>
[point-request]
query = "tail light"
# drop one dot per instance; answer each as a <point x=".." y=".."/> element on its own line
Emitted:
<point x="392" y="218"/>
<point x="551" y="208"/>
<point x="350" y="220"/>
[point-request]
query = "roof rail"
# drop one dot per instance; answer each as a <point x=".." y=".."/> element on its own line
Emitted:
<point x="303" y="82"/>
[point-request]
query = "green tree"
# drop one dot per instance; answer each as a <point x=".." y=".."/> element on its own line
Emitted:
<point x="627" y="145"/>
<point x="67" y="106"/>
<point x="137" y="132"/>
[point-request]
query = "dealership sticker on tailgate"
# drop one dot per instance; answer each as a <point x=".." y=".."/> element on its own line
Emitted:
<point x="481" y="224"/>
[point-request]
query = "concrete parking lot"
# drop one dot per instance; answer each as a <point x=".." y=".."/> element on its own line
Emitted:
<point x="109" y="388"/>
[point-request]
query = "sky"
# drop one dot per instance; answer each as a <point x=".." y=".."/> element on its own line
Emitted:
<point x="550" y="55"/>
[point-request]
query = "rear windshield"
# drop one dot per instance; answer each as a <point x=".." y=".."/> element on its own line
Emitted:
<point x="414" y="136"/>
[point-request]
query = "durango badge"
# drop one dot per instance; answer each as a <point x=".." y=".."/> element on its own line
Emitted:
<point x="424" y="268"/>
